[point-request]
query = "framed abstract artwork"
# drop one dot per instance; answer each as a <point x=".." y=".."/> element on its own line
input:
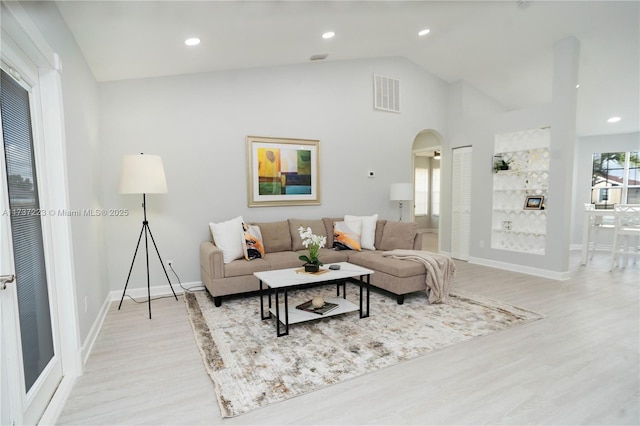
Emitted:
<point x="282" y="172"/>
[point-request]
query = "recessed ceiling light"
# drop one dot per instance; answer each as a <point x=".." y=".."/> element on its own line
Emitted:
<point x="614" y="120"/>
<point x="192" y="41"/>
<point x="328" y="34"/>
<point x="424" y="32"/>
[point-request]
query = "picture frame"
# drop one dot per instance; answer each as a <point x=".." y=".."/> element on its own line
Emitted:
<point x="282" y="171"/>
<point x="534" y="202"/>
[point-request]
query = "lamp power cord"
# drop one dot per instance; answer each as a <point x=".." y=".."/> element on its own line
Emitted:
<point x="191" y="289"/>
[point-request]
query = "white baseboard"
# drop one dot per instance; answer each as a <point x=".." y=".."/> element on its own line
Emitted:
<point x="560" y="276"/>
<point x="155" y="291"/>
<point x="87" y="346"/>
<point x="599" y="247"/>
<point x="58" y="401"/>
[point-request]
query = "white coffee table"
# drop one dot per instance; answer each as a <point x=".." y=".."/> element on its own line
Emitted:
<point x="283" y="280"/>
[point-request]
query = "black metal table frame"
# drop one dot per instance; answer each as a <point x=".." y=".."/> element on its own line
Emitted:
<point x="341" y="282"/>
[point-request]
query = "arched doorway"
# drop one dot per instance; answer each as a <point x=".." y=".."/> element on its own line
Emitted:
<point x="426" y="155"/>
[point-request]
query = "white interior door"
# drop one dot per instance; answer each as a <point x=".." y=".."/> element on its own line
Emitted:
<point x="461" y="203"/>
<point x="30" y="361"/>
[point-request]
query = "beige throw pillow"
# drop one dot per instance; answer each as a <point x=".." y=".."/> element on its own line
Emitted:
<point x="398" y="235"/>
<point x="275" y="236"/>
<point x="317" y="228"/>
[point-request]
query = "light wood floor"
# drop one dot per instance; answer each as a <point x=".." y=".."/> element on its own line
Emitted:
<point x="579" y="365"/>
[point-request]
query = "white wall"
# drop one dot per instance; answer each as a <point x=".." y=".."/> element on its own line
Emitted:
<point x="80" y="97"/>
<point x="474" y="120"/>
<point x="470" y="123"/>
<point x="198" y="124"/>
<point x="585" y="148"/>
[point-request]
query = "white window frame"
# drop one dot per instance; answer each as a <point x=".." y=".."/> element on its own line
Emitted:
<point x="421" y="191"/>
<point x="624" y="187"/>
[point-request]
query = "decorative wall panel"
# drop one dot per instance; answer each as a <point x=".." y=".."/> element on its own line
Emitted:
<point x="513" y="227"/>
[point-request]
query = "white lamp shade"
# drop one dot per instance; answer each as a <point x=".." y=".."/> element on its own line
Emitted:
<point x="143" y="174"/>
<point x="401" y="192"/>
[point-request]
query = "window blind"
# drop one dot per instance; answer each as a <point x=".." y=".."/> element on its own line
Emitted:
<point x="26" y="230"/>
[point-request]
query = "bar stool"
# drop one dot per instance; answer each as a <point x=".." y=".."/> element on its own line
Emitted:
<point x="625" y="233"/>
<point x="596" y="223"/>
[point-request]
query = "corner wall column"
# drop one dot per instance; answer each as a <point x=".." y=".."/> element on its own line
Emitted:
<point x="562" y="148"/>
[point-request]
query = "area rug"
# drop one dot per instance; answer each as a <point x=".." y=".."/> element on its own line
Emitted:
<point x="252" y="368"/>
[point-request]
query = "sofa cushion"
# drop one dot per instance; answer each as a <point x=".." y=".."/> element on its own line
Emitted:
<point x="317" y="228"/>
<point x="396" y="267"/>
<point x="380" y="224"/>
<point x="275" y="236"/>
<point x="228" y="236"/>
<point x="368" y="229"/>
<point x="328" y="226"/>
<point x="253" y="246"/>
<point x="241" y="267"/>
<point x="328" y="255"/>
<point x="398" y="235"/>
<point x="346" y="235"/>
<point x="283" y="260"/>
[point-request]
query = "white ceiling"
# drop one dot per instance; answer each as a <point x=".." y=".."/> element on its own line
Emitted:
<point x="503" y="48"/>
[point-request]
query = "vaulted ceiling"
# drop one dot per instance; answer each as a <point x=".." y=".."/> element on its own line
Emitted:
<point x="503" y="48"/>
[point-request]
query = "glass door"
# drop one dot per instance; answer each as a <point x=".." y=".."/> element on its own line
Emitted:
<point x="30" y="365"/>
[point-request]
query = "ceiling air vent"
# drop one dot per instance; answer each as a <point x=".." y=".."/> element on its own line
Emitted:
<point x="319" y="57"/>
<point x="386" y="93"/>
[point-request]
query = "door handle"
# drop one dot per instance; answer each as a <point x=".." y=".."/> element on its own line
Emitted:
<point x="6" y="279"/>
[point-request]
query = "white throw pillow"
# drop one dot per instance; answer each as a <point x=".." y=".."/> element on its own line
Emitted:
<point x="229" y="237"/>
<point x="368" y="229"/>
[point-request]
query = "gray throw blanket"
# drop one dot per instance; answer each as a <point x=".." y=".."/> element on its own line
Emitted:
<point x="441" y="270"/>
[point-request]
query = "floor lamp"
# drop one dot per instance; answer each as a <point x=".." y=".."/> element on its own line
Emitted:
<point x="144" y="174"/>
<point x="401" y="192"/>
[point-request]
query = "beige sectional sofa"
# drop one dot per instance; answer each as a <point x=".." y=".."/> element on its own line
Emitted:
<point x="283" y="245"/>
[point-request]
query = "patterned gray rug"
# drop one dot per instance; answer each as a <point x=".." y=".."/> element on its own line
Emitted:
<point x="252" y="368"/>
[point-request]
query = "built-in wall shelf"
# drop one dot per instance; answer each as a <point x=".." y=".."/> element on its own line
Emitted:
<point x="519" y="172"/>
<point x="532" y="234"/>
<point x="513" y="227"/>
<point x="519" y="211"/>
